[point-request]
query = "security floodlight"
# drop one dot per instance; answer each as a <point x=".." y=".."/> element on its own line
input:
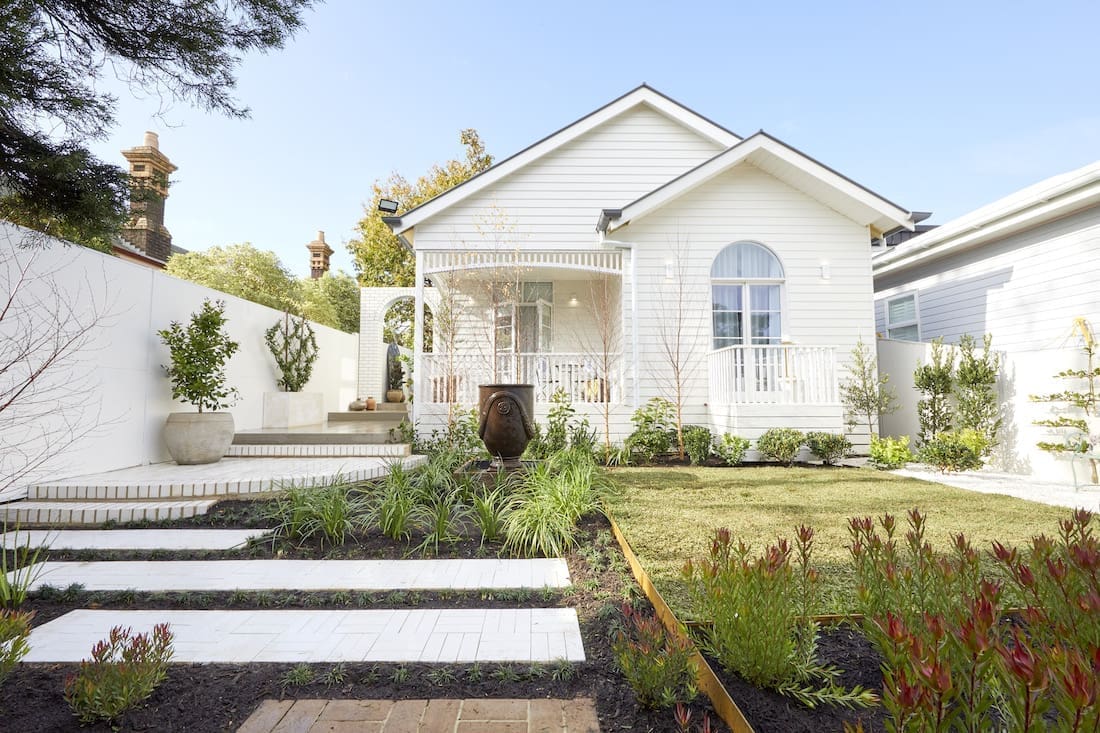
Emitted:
<point x="387" y="206"/>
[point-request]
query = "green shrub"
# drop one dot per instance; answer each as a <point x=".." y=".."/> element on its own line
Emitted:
<point x="831" y="448"/>
<point x="954" y="451"/>
<point x="890" y="453"/>
<point x="698" y="443"/>
<point x="732" y="449"/>
<point x="654" y="429"/>
<point x="657" y="664"/>
<point x="781" y="444"/>
<point x="124" y="669"/>
<point x="15" y="628"/>
<point x="198" y="355"/>
<point x="761" y="609"/>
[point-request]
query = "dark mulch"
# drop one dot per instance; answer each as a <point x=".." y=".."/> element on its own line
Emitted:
<point x="219" y="697"/>
<point x="770" y="712"/>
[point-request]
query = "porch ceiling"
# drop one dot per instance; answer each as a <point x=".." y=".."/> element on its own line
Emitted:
<point x="556" y="265"/>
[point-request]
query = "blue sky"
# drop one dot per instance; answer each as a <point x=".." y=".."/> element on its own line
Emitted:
<point x="936" y="106"/>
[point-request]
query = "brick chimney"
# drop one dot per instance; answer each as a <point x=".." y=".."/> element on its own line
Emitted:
<point x="319" y="252"/>
<point x="149" y="171"/>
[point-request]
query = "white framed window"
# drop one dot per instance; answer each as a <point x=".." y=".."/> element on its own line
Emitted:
<point x="746" y="296"/>
<point x="903" y="318"/>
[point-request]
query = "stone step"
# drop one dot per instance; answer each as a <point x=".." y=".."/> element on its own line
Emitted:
<point x="400" y="409"/>
<point x="34" y="513"/>
<point x="367" y="416"/>
<point x="320" y="450"/>
<point x="373" y="433"/>
<point x="230" y="476"/>
<point x="400" y="635"/>
<point x="131" y="539"/>
<point x="306" y="575"/>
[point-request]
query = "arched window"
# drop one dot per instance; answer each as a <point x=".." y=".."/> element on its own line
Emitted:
<point x="746" y="296"/>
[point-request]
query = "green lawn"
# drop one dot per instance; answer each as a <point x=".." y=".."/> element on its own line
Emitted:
<point x="668" y="515"/>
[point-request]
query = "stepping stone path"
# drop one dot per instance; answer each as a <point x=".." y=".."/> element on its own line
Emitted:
<point x="426" y="716"/>
<point x="398" y="635"/>
<point x="309" y="575"/>
<point x="132" y="539"/>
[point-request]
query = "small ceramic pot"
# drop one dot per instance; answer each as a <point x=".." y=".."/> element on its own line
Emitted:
<point x="371" y="403"/>
<point x="357" y="405"/>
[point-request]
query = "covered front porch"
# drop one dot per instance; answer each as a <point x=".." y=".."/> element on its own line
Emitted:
<point x="551" y="319"/>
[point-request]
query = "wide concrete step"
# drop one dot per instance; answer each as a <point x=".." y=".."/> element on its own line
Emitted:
<point x="320" y="450"/>
<point x="364" y="434"/>
<point x="32" y="513"/>
<point x="230" y="476"/>
<point x="368" y="417"/>
<point x="400" y="409"/>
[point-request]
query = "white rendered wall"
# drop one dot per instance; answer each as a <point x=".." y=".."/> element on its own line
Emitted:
<point x="899" y="360"/>
<point x="131" y="393"/>
<point x="1026" y="290"/>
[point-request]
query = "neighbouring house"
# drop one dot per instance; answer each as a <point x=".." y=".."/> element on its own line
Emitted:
<point x="642" y="230"/>
<point x="1024" y="269"/>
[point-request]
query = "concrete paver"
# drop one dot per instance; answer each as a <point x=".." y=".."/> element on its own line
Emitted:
<point x="399" y="635"/>
<point x="208" y="575"/>
<point x="132" y="539"/>
<point x="429" y="716"/>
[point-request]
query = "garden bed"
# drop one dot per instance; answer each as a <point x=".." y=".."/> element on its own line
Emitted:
<point x="210" y="697"/>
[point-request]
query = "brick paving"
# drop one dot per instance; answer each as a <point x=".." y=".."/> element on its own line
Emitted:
<point x="424" y="716"/>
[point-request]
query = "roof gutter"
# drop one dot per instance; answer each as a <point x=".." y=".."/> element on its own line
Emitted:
<point x="606" y="217"/>
<point x="394" y="223"/>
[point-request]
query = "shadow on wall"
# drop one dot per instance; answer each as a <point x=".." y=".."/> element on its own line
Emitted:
<point x="952" y="307"/>
<point x="1006" y="456"/>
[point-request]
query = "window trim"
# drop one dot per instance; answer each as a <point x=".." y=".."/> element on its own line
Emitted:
<point x="915" y="321"/>
<point x="744" y="283"/>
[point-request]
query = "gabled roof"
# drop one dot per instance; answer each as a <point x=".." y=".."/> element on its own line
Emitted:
<point x="1027" y="208"/>
<point x="643" y="94"/>
<point x="783" y="162"/>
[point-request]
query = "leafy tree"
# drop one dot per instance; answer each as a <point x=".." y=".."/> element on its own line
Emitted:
<point x="294" y="345"/>
<point x="199" y="352"/>
<point x="865" y="392"/>
<point x="332" y="300"/>
<point x="975" y="389"/>
<point x="241" y="270"/>
<point x="53" y="54"/>
<point x="380" y="258"/>
<point x="935" y="381"/>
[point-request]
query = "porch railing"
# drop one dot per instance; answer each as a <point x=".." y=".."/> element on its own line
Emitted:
<point x="786" y="375"/>
<point x="454" y="377"/>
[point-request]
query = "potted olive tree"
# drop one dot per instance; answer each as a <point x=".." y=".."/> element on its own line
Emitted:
<point x="294" y="345"/>
<point x="199" y="352"/>
<point x="395" y="375"/>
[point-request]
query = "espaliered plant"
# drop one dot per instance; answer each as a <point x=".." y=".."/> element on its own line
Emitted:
<point x="761" y="609"/>
<point x="294" y="345"/>
<point x="199" y="353"/>
<point x="1082" y="397"/>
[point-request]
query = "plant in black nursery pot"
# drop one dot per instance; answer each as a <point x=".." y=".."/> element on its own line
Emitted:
<point x="199" y="352"/>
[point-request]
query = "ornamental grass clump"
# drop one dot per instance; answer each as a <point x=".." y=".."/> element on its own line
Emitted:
<point x="656" y="663"/>
<point x="124" y="670"/>
<point x="761" y="612"/>
<point x="20" y="572"/>
<point x="327" y="513"/>
<point x="15" y="628"/>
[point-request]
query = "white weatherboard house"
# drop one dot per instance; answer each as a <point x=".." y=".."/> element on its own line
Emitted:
<point x="1025" y="269"/>
<point x="642" y="229"/>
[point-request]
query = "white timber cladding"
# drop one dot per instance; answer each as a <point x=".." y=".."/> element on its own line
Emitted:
<point x="747" y="204"/>
<point x="1024" y="289"/>
<point x="554" y="202"/>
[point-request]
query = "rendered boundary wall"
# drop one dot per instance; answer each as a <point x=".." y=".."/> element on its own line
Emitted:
<point x="122" y="384"/>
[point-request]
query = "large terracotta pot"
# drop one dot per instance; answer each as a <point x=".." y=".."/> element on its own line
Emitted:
<point x="505" y="421"/>
<point x="198" y="437"/>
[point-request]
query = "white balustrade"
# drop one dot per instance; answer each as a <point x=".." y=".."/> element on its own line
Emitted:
<point x="454" y="377"/>
<point x="786" y="375"/>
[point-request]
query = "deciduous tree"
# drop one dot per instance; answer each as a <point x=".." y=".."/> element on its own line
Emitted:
<point x="241" y="270"/>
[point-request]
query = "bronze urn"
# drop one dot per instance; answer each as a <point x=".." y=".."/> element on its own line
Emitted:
<point x="505" y="424"/>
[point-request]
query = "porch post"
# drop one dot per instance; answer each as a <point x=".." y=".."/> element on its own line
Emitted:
<point x="418" y="339"/>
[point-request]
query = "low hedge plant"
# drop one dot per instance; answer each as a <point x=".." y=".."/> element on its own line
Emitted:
<point x="781" y="444"/>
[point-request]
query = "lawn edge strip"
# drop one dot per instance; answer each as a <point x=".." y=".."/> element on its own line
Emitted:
<point x="706" y="678"/>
